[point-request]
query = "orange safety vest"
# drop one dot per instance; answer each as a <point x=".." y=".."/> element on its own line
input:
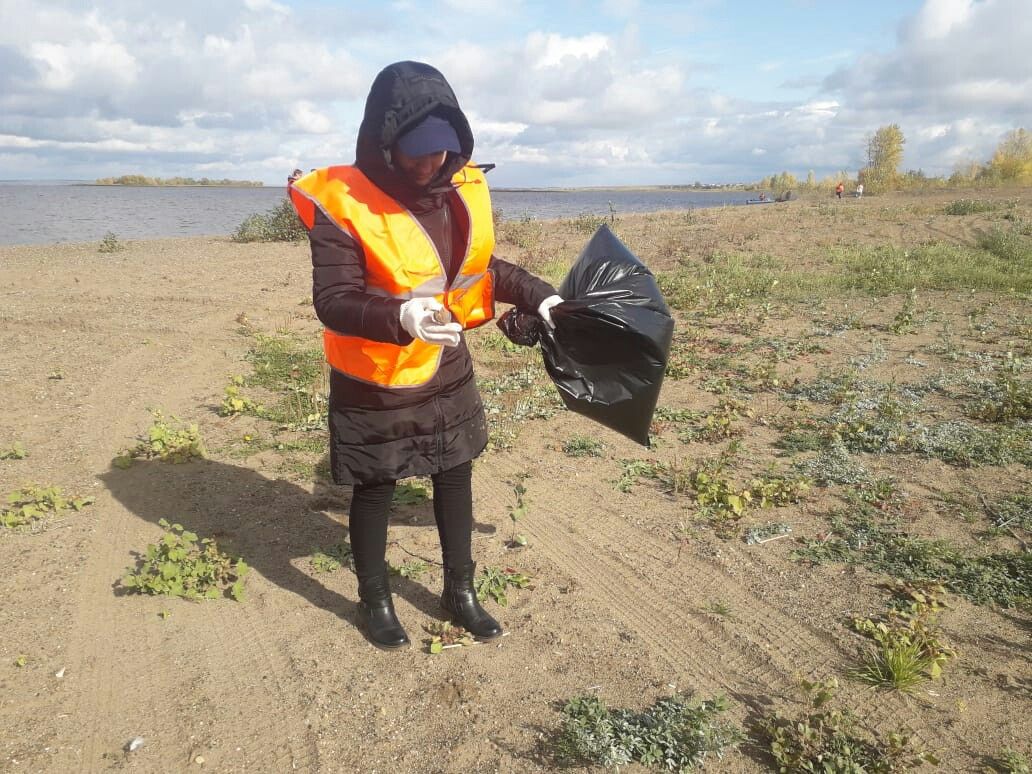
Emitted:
<point x="401" y="262"/>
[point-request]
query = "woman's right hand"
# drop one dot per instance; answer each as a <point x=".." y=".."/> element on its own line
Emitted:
<point x="417" y="318"/>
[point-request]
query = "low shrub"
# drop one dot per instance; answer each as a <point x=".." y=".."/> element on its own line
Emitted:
<point x="1007" y="245"/>
<point x="969" y="207"/>
<point x="110" y="244"/>
<point x="279" y="224"/>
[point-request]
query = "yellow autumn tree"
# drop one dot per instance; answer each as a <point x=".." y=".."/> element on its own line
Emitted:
<point x="884" y="155"/>
<point x="1012" y="162"/>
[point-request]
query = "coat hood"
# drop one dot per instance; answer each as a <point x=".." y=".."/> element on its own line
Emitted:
<point x="401" y="96"/>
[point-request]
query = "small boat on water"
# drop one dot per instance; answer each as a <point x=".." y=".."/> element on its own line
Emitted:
<point x="764" y="199"/>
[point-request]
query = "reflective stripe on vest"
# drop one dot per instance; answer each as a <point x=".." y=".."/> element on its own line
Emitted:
<point x="401" y="262"/>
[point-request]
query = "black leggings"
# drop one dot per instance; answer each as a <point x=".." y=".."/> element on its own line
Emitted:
<point x="453" y="512"/>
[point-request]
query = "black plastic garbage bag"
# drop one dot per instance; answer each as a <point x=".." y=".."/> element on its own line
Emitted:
<point x="609" y="350"/>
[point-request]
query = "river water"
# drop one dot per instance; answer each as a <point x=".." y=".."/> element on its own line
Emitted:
<point x="44" y="213"/>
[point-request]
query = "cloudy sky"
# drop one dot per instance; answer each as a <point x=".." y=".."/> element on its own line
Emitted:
<point x="564" y="92"/>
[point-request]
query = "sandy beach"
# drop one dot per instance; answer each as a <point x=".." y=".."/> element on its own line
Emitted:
<point x="637" y="589"/>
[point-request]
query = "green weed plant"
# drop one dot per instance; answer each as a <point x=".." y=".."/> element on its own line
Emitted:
<point x="903" y="322"/>
<point x="863" y="536"/>
<point x="909" y="648"/>
<point x="582" y="446"/>
<point x="720" y="501"/>
<point x="31" y="505"/>
<point x="677" y="734"/>
<point x="331" y="559"/>
<point x="14" y="452"/>
<point x="833" y="465"/>
<point x="1007" y="245"/>
<point x="1010" y="761"/>
<point x="1011" y="511"/>
<point x="721" y="424"/>
<point x="825" y="740"/>
<point x="411" y="570"/>
<point x="631" y="471"/>
<point x="969" y="207"/>
<point x="517" y="511"/>
<point x="1007" y="401"/>
<point x="234" y="402"/>
<point x="407" y="493"/>
<point x="495" y="582"/>
<point x="167" y="440"/>
<point x="289" y="366"/>
<point x="524" y="233"/>
<point x="514" y="398"/>
<point x="765" y="532"/>
<point x="181" y="565"/>
<point x="776" y="491"/>
<point x="721" y="609"/>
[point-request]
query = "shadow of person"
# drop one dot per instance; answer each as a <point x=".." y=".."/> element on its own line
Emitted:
<point x="270" y="524"/>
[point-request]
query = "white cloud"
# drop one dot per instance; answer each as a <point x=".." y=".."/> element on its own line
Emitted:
<point x="820" y="109"/>
<point x="97" y="61"/>
<point x="267" y="6"/>
<point x="14" y="141"/>
<point x="305" y="117"/>
<point x="248" y="85"/>
<point x="552" y="50"/>
<point x="937" y="18"/>
<point x="958" y="64"/>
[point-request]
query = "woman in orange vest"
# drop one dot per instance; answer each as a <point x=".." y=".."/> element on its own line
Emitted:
<point x="402" y="253"/>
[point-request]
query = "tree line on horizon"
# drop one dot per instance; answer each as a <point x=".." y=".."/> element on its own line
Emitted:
<point x="143" y="180"/>
<point x="1011" y="164"/>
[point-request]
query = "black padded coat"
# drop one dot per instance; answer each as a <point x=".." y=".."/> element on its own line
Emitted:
<point x="382" y="434"/>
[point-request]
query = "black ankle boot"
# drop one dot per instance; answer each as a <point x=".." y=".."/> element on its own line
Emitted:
<point x="461" y="601"/>
<point x="377" y="613"/>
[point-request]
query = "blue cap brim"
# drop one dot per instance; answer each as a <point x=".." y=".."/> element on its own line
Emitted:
<point x="432" y="135"/>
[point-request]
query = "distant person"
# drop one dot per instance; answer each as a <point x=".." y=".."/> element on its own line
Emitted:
<point x="839" y="189"/>
<point x="402" y="255"/>
<point x="763" y="197"/>
<point x="859" y="190"/>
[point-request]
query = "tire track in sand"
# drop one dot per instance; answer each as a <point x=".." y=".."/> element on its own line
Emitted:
<point x="231" y="653"/>
<point x="754" y="657"/>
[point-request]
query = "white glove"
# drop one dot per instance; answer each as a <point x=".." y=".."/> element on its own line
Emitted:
<point x="545" y="310"/>
<point x="417" y="317"/>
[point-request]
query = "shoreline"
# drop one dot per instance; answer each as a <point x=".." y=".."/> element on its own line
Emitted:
<point x="514" y="221"/>
<point x="935" y="200"/>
